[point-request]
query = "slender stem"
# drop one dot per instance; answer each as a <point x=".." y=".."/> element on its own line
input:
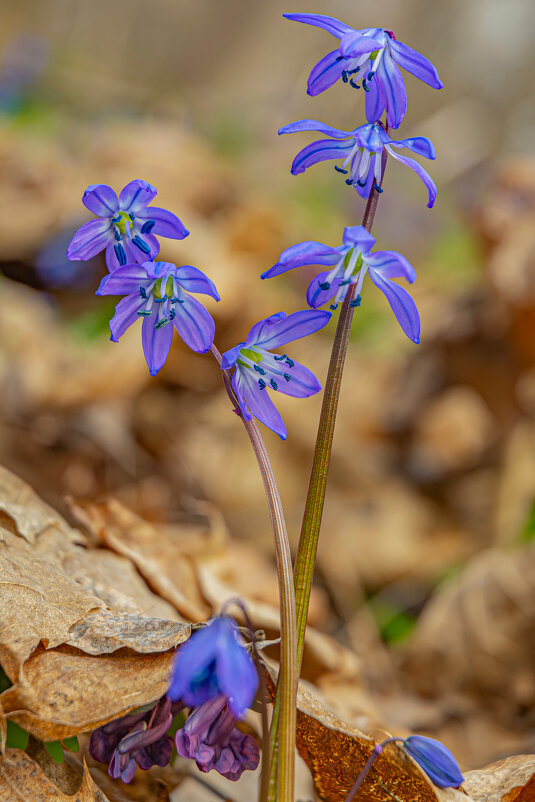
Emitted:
<point x="287" y="685"/>
<point x="376" y="751"/>
<point x="310" y="529"/>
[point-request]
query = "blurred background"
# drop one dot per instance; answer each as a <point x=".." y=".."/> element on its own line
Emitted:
<point x="426" y="560"/>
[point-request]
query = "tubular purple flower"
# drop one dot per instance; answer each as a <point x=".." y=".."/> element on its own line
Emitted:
<point x="373" y="57"/>
<point x="212" y="662"/>
<point x="211" y="738"/>
<point x="127" y="226"/>
<point x="256" y="369"/>
<point x="349" y="263"/>
<point x="360" y="152"/>
<point x="158" y="292"/>
<point x="435" y="759"/>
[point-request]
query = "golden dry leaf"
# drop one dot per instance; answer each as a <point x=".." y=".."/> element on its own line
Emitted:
<point x="23" y="780"/>
<point x="509" y="780"/>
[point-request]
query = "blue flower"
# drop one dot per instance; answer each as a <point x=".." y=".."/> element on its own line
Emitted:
<point x="435" y="759"/>
<point x="214" y="662"/>
<point x="349" y="263"/>
<point x="361" y="151"/>
<point x="127" y="225"/>
<point x="257" y="370"/>
<point x="373" y="57"/>
<point x="159" y="293"/>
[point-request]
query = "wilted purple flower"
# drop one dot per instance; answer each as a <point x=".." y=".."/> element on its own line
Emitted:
<point x="127" y="225"/>
<point x="257" y="370"/>
<point x="373" y="56"/>
<point x="361" y="151"/>
<point x="350" y="262"/>
<point x="155" y="291"/>
<point x="135" y="740"/>
<point x="211" y="738"/>
<point x="212" y="662"/>
<point x="436" y="760"/>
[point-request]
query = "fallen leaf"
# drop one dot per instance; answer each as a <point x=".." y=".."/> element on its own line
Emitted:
<point x="509" y="780"/>
<point x="23" y="780"/>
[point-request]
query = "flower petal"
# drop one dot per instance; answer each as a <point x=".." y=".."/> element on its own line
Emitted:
<point x="364" y="191"/>
<point x="420" y="172"/>
<point x="436" y="760"/>
<point x="325" y="73"/>
<point x="420" y="145"/>
<point x="392" y="88"/>
<point x="329" y="24"/>
<point x="236" y="672"/>
<point x="195" y="324"/>
<point x="414" y="62"/>
<point x="401" y="303"/>
<point x="354" y="44"/>
<point x="320" y="151"/>
<point x="304" y="253"/>
<point x="259" y="402"/>
<point x="294" y="327"/>
<point x="156" y="343"/>
<point x="391" y="264"/>
<point x="190" y="662"/>
<point x="316" y="296"/>
<point x="259" y="330"/>
<point x="230" y="356"/>
<point x="374" y="101"/>
<point x="101" y="200"/>
<point x="302" y="382"/>
<point x="358" y="236"/>
<point x="194" y="280"/>
<point x="135" y="195"/>
<point x="123" y="281"/>
<point x="315" y="125"/>
<point x="126" y="313"/>
<point x="90" y="239"/>
<point x="119" y="254"/>
<point x="166" y="224"/>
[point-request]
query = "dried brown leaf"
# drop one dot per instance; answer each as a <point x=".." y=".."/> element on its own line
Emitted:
<point x="509" y="780"/>
<point x="23" y="780"/>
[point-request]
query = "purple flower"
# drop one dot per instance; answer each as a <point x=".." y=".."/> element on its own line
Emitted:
<point x="211" y="738"/>
<point x="435" y="759"/>
<point x="361" y="151"/>
<point x="155" y="292"/>
<point x="349" y="263"/>
<point x="127" y="226"/>
<point x="373" y="56"/>
<point x="135" y="740"/>
<point x="212" y="662"/>
<point x="257" y="370"/>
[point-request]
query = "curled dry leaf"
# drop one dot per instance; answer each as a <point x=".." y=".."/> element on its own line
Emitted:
<point x="23" y="780"/>
<point x="509" y="780"/>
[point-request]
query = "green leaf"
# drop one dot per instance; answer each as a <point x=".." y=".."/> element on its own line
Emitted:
<point x="17" y="738"/>
<point x="55" y="750"/>
<point x="71" y="744"/>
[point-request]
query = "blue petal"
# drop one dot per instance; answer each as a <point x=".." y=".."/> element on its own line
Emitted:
<point x="90" y="239"/>
<point x="401" y="303"/>
<point x="135" y="195"/>
<point x="238" y="383"/>
<point x="320" y="151"/>
<point x="420" y="145"/>
<point x="316" y="296"/>
<point x="355" y="44"/>
<point x="156" y="343"/>
<point x="392" y="88"/>
<point x="369" y="179"/>
<point x="325" y="73"/>
<point x="236" y="672"/>
<point x="304" y="253"/>
<point x="230" y="356"/>
<point x="125" y="315"/>
<point x="259" y="402"/>
<point x="194" y="280"/>
<point x="391" y="264"/>
<point x="315" y="125"/>
<point x="436" y="760"/>
<point x="123" y="281"/>
<point x="132" y="253"/>
<point x="192" y="663"/>
<point x="329" y="24"/>
<point x="260" y="329"/>
<point x="301" y="384"/>
<point x="358" y="236"/>
<point x="101" y="200"/>
<point x="375" y="104"/>
<point x="195" y="324"/>
<point x="420" y="172"/>
<point x="415" y="63"/>
<point x="294" y="327"/>
<point x="166" y="224"/>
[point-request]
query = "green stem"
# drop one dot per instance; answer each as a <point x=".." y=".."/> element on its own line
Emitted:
<point x="310" y="529"/>
<point x="287" y="684"/>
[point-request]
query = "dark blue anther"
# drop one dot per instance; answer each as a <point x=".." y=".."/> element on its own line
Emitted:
<point x="262" y="384"/>
<point x="377" y="188"/>
<point x="172" y="314"/>
<point x="287" y="377"/>
<point x="340" y="169"/>
<point x="131" y="216"/>
<point x="260" y="370"/>
<point x="370" y="75"/>
<point x="274" y="384"/>
<point x="365" y="85"/>
<point x="141" y="244"/>
<point x="160" y="300"/>
<point x="290" y="362"/>
<point x="116" y="219"/>
<point x="353" y="84"/>
<point x="333" y="307"/>
<point x="340" y="58"/>
<point x="143" y="292"/>
<point x="144" y="313"/>
<point x="352" y="72"/>
<point x="361" y="183"/>
<point x="344" y="77"/>
<point x="349" y="182"/>
<point x="355" y="302"/>
<point x="324" y="285"/>
<point x="345" y="281"/>
<point x="120" y="254"/>
<point x="147" y="226"/>
<point x="279" y="358"/>
<point x="163" y="322"/>
<point x="117" y="235"/>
